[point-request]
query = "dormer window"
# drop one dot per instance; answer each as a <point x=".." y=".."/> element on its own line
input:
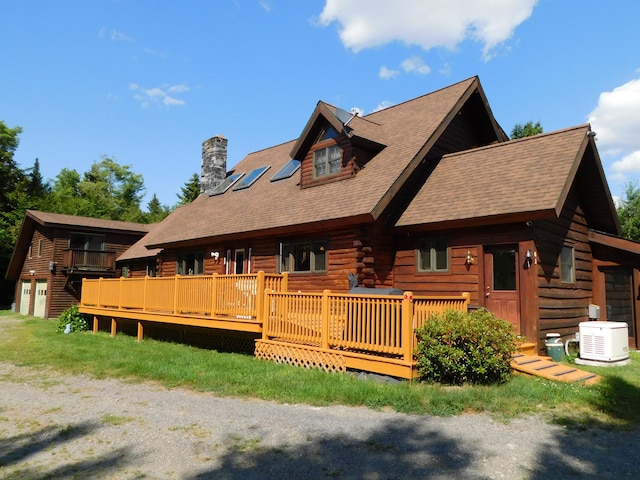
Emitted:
<point x="327" y="161"/>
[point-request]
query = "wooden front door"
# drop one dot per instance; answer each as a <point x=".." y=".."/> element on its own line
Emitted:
<point x="502" y="280"/>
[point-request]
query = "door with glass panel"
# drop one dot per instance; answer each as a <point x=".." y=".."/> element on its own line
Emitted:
<point x="501" y="280"/>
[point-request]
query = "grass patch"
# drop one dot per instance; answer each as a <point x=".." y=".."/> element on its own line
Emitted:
<point x="110" y="419"/>
<point x="34" y="342"/>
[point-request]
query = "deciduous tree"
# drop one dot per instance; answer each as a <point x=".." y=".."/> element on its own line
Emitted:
<point x="629" y="213"/>
<point x="527" y="130"/>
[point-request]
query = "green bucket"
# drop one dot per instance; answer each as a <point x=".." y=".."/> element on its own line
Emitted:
<point x="555" y="347"/>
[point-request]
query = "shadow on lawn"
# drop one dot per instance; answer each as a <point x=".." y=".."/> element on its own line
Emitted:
<point x="18" y="448"/>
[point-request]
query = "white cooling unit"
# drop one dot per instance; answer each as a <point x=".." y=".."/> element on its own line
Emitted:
<point x="604" y="341"/>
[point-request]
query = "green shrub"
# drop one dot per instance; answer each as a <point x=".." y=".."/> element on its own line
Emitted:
<point x="71" y="316"/>
<point x="456" y="348"/>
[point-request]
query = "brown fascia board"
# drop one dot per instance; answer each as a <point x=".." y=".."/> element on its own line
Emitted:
<point x="304" y="140"/>
<point x="604" y="183"/>
<point x="619" y="243"/>
<point x="589" y="143"/>
<point x="519" y="217"/>
<point x="138" y="228"/>
<point x="500" y="133"/>
<point x="20" y="248"/>
<point x="422" y="153"/>
<point x="570" y="179"/>
<point x="289" y="230"/>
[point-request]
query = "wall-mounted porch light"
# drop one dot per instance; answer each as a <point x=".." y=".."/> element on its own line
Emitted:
<point x="469" y="260"/>
<point x="528" y="258"/>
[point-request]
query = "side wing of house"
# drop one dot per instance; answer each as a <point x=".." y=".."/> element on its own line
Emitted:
<point x="55" y="252"/>
<point x="510" y="224"/>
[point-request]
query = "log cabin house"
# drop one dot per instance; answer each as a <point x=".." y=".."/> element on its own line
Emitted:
<point x="428" y="196"/>
<point x="55" y="252"/>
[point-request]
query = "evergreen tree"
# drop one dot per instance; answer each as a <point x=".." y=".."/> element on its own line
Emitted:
<point x="156" y="212"/>
<point x="37" y="188"/>
<point x="190" y="190"/>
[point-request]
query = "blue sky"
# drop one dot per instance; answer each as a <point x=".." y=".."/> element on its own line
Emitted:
<point x="145" y="82"/>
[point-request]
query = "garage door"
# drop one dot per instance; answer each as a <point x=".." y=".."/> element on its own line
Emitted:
<point x="25" y="297"/>
<point x="40" y="302"/>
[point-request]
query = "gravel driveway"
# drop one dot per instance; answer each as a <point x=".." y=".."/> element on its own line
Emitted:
<point x="61" y="426"/>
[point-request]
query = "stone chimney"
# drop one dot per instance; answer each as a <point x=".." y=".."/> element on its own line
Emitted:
<point x="214" y="163"/>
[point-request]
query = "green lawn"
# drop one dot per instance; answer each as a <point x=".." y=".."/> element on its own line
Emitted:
<point x="34" y="342"/>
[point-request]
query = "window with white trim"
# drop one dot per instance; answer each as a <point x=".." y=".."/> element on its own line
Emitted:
<point x="327" y="161"/>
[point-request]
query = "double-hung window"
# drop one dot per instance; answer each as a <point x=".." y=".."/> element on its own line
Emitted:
<point x="433" y="254"/>
<point x="303" y="257"/>
<point x="327" y="161"/>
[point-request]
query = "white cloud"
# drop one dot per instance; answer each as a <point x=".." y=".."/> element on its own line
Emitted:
<point x="428" y="24"/>
<point x="117" y="36"/>
<point x="627" y="164"/>
<point x="415" y="65"/>
<point x="159" y="95"/>
<point x="265" y="6"/>
<point x="382" y="105"/>
<point x="387" y="73"/>
<point x="616" y="119"/>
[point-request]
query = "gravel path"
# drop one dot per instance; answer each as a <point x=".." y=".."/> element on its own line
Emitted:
<point x="61" y="427"/>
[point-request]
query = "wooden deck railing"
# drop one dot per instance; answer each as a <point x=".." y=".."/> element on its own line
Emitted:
<point x="89" y="260"/>
<point x="380" y="325"/>
<point x="329" y="330"/>
<point x="203" y="295"/>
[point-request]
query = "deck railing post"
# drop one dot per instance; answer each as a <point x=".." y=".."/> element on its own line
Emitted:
<point x="467" y="300"/>
<point x="144" y="293"/>
<point x="99" y="301"/>
<point x="265" y="313"/>
<point x="259" y="293"/>
<point x="175" y="294"/>
<point x="326" y="308"/>
<point x="214" y="294"/>
<point x="408" y="334"/>
<point x="285" y="282"/>
<point x="120" y="293"/>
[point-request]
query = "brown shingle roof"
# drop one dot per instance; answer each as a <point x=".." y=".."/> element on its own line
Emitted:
<point x="527" y="176"/>
<point x="47" y="218"/>
<point x="139" y="251"/>
<point x="405" y="129"/>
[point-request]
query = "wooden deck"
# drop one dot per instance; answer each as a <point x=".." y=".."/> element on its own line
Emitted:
<point x="325" y="330"/>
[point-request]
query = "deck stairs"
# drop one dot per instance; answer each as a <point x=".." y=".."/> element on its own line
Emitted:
<point x="527" y="362"/>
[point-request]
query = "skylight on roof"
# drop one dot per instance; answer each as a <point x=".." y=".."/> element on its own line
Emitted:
<point x="289" y="169"/>
<point x="226" y="184"/>
<point x="250" y="178"/>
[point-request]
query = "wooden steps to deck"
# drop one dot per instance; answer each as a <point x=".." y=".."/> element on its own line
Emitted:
<point x="546" y="368"/>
